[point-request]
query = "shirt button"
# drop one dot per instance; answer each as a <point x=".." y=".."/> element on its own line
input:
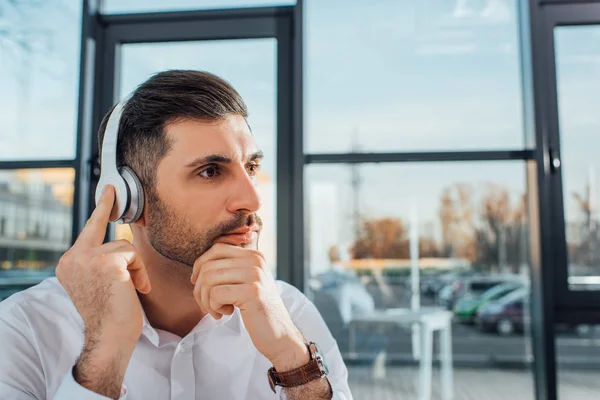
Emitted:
<point x="183" y="347"/>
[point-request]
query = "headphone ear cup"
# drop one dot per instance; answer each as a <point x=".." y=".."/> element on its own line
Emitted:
<point x="136" y="196"/>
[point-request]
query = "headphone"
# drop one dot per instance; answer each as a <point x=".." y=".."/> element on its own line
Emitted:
<point x="129" y="194"/>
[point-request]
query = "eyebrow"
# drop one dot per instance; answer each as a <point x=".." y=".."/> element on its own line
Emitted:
<point x="221" y="159"/>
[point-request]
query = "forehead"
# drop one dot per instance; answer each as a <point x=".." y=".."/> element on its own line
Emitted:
<point x="230" y="137"/>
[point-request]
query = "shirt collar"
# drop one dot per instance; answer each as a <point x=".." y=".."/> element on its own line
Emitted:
<point x="233" y="322"/>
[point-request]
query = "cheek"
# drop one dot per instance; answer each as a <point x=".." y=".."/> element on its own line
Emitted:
<point x="202" y="209"/>
<point x="199" y="205"/>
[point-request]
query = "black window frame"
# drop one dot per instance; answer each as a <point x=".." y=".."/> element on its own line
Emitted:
<point x="571" y="305"/>
<point x="551" y="299"/>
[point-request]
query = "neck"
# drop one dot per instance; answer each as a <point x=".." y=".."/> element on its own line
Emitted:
<point x="170" y="305"/>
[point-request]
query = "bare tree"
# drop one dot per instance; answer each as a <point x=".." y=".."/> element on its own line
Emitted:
<point x="586" y="251"/>
<point x="387" y="238"/>
<point x="490" y="234"/>
<point x="456" y="217"/>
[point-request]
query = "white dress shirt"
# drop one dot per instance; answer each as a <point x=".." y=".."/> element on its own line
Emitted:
<point x="41" y="337"/>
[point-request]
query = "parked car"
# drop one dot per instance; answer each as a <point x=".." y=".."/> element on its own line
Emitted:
<point x="466" y="308"/>
<point x="431" y="285"/>
<point x="505" y="315"/>
<point x="471" y="287"/>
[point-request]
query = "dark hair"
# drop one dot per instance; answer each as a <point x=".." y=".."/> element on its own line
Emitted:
<point x="167" y="97"/>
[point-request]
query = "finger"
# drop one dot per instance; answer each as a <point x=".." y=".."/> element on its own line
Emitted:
<point x="216" y="252"/>
<point x="222" y="251"/>
<point x="130" y="260"/>
<point x="221" y="272"/>
<point x="222" y="263"/>
<point x="203" y="308"/>
<point x="121" y="244"/>
<point x="95" y="229"/>
<point x="139" y="275"/>
<point x="226" y="310"/>
<point x="225" y="276"/>
<point x="234" y="295"/>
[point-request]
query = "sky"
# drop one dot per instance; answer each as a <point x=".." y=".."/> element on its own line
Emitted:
<point x="411" y="75"/>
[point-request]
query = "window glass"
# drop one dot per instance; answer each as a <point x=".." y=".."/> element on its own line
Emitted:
<point x="36" y="223"/>
<point x="464" y="229"/>
<point x="412" y="75"/>
<point x="578" y="82"/>
<point x="39" y="77"/>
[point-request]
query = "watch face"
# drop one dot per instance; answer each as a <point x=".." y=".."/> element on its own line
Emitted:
<point x="320" y="359"/>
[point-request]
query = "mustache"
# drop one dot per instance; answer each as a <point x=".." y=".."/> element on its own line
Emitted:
<point x="240" y="220"/>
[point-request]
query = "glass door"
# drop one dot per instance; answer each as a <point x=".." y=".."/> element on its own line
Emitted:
<point x="577" y="58"/>
<point x="574" y="123"/>
<point x="573" y="34"/>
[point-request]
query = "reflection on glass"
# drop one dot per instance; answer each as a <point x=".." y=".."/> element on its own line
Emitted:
<point x="578" y="83"/>
<point x="39" y="76"/>
<point x="35" y="225"/>
<point x="412" y="75"/>
<point x="137" y="6"/>
<point x="397" y="238"/>
<point x="250" y="67"/>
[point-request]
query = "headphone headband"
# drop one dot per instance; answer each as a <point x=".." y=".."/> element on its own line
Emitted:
<point x="129" y="195"/>
<point x="111" y="136"/>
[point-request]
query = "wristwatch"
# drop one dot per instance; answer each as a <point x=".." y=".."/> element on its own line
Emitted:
<point x="315" y="369"/>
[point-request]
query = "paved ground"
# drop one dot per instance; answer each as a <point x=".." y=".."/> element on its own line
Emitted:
<point x="470" y="384"/>
<point x="470" y="347"/>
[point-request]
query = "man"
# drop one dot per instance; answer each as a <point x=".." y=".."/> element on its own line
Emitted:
<point x="189" y="309"/>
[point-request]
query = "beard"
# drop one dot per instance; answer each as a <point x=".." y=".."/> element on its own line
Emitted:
<point x="173" y="237"/>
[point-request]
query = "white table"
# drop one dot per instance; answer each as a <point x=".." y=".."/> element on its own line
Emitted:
<point x="429" y="320"/>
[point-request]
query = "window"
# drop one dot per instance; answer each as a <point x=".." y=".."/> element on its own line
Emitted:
<point x="39" y="76"/>
<point x="412" y="76"/>
<point x="465" y="224"/>
<point x="578" y="82"/>
<point x="30" y="195"/>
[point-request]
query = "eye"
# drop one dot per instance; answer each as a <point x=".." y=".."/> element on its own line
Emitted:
<point x="209" y="172"/>
<point x="253" y="168"/>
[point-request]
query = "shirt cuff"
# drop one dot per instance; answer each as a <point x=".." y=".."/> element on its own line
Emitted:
<point x="70" y="389"/>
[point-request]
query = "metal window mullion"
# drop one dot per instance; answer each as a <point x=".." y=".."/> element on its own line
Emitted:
<point x="352" y="158"/>
<point x="191" y="15"/>
<point x="534" y="41"/>
<point x="37" y="164"/>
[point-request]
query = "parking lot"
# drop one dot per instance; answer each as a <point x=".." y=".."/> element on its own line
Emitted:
<point x="473" y="347"/>
<point x="470" y="384"/>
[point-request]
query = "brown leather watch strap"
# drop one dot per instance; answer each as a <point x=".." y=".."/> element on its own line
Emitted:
<point x="295" y="377"/>
<point x="315" y="369"/>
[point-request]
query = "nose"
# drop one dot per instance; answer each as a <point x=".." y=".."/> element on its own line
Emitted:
<point x="244" y="195"/>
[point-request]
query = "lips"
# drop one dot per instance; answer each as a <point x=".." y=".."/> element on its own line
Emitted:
<point x="238" y="237"/>
<point x="244" y="230"/>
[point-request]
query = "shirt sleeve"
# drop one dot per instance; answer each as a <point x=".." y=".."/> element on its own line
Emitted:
<point x="21" y="371"/>
<point x="314" y="329"/>
<point x="21" y="374"/>
<point x="70" y="389"/>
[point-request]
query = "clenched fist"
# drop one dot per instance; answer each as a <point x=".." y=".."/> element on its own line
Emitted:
<point x="229" y="276"/>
